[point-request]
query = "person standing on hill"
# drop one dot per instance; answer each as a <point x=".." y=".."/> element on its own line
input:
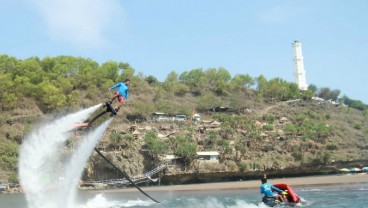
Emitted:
<point x="122" y="93"/>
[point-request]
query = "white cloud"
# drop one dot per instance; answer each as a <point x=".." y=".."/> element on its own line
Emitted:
<point x="82" y="23"/>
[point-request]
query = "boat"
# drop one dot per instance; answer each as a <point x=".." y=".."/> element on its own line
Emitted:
<point x="292" y="198"/>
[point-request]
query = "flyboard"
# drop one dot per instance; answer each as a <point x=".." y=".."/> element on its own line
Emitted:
<point x="88" y="123"/>
<point x="110" y="109"/>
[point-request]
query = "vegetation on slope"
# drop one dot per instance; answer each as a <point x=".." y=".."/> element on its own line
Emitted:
<point x="32" y="88"/>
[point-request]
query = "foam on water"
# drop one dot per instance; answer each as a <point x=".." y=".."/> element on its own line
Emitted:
<point x="215" y="203"/>
<point x="99" y="201"/>
<point x="49" y="178"/>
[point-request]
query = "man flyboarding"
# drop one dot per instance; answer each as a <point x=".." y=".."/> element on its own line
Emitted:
<point x="122" y="93"/>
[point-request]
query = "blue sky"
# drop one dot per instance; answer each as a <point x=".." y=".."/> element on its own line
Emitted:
<point x="159" y="36"/>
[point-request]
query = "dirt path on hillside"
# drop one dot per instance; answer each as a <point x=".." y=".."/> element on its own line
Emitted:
<point x="268" y="108"/>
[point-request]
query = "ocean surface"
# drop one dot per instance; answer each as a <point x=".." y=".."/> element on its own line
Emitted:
<point x="354" y="195"/>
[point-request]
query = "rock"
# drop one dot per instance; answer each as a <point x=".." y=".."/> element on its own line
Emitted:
<point x="283" y="120"/>
<point x="280" y="132"/>
<point x="258" y="124"/>
<point x="147" y="128"/>
<point x="263" y="134"/>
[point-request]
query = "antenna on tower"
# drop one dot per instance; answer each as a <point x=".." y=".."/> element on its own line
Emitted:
<point x="299" y="72"/>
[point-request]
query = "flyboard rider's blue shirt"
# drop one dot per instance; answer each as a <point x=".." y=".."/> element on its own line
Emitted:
<point x="267" y="188"/>
<point x="122" y="89"/>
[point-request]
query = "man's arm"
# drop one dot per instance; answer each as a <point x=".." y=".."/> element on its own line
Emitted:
<point x="276" y="189"/>
<point x="127" y="94"/>
<point x="115" y="86"/>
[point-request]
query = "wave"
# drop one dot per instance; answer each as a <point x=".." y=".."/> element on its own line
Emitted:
<point x="100" y="201"/>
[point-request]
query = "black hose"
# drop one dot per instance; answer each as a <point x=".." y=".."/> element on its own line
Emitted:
<point x="107" y="160"/>
<point x="125" y="175"/>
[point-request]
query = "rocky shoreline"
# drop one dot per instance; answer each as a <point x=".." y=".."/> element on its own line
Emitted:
<point x="10" y="188"/>
<point x="209" y="177"/>
<point x="192" y="178"/>
<point x="254" y="184"/>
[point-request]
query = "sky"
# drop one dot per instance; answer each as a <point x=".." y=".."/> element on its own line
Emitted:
<point x="157" y="37"/>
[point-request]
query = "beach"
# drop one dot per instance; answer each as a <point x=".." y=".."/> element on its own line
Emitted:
<point x="316" y="191"/>
<point x="254" y="184"/>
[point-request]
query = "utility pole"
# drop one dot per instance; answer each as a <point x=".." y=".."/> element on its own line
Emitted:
<point x="299" y="72"/>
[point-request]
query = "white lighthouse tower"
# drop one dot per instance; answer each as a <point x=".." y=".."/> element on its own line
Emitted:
<point x="299" y="66"/>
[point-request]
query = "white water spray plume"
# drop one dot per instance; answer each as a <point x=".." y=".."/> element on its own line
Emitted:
<point x="49" y="177"/>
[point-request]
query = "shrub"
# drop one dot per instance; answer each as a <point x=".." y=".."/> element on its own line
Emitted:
<point x="8" y="148"/>
<point x="268" y="127"/>
<point x="225" y="146"/>
<point x="323" y="157"/>
<point x="297" y="155"/>
<point x="155" y="146"/>
<point x="13" y="177"/>
<point x="332" y="146"/>
<point x="358" y="126"/>
<point x="227" y="132"/>
<point x="243" y="166"/>
<point x="313" y="115"/>
<point x="269" y="118"/>
<point x="187" y="151"/>
<point x="116" y="137"/>
<point x="255" y="136"/>
<point x="290" y="128"/>
<point x="365" y="113"/>
<point x="231" y="165"/>
<point x="8" y="162"/>
<point x="300" y="118"/>
<point x="211" y="140"/>
<point x="128" y="137"/>
<point x="175" y="142"/>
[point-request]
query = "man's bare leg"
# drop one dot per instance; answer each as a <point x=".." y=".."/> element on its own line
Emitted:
<point x="113" y="98"/>
<point x="119" y="106"/>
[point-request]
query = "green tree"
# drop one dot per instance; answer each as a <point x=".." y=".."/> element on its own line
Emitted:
<point x="184" y="147"/>
<point x="313" y="88"/>
<point x="221" y="80"/>
<point x="261" y="82"/>
<point x="8" y="64"/>
<point x="32" y="69"/>
<point x="152" y="80"/>
<point x="47" y="64"/>
<point x="241" y="81"/>
<point x="187" y="151"/>
<point x="125" y="71"/>
<point x="195" y="79"/>
<point x="170" y="82"/>
<point x="155" y="146"/>
<point x="293" y="92"/>
<point x="8" y="155"/>
<point x="50" y="96"/>
<point x="328" y="94"/>
<point x="8" y="94"/>
<point x="208" y="101"/>
<point x="109" y="70"/>
<point x="180" y="89"/>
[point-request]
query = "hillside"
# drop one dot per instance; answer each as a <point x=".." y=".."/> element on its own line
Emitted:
<point x="266" y="141"/>
<point x="269" y="125"/>
<point x="278" y="137"/>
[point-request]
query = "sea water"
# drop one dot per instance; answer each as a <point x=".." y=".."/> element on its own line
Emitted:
<point x="354" y="195"/>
